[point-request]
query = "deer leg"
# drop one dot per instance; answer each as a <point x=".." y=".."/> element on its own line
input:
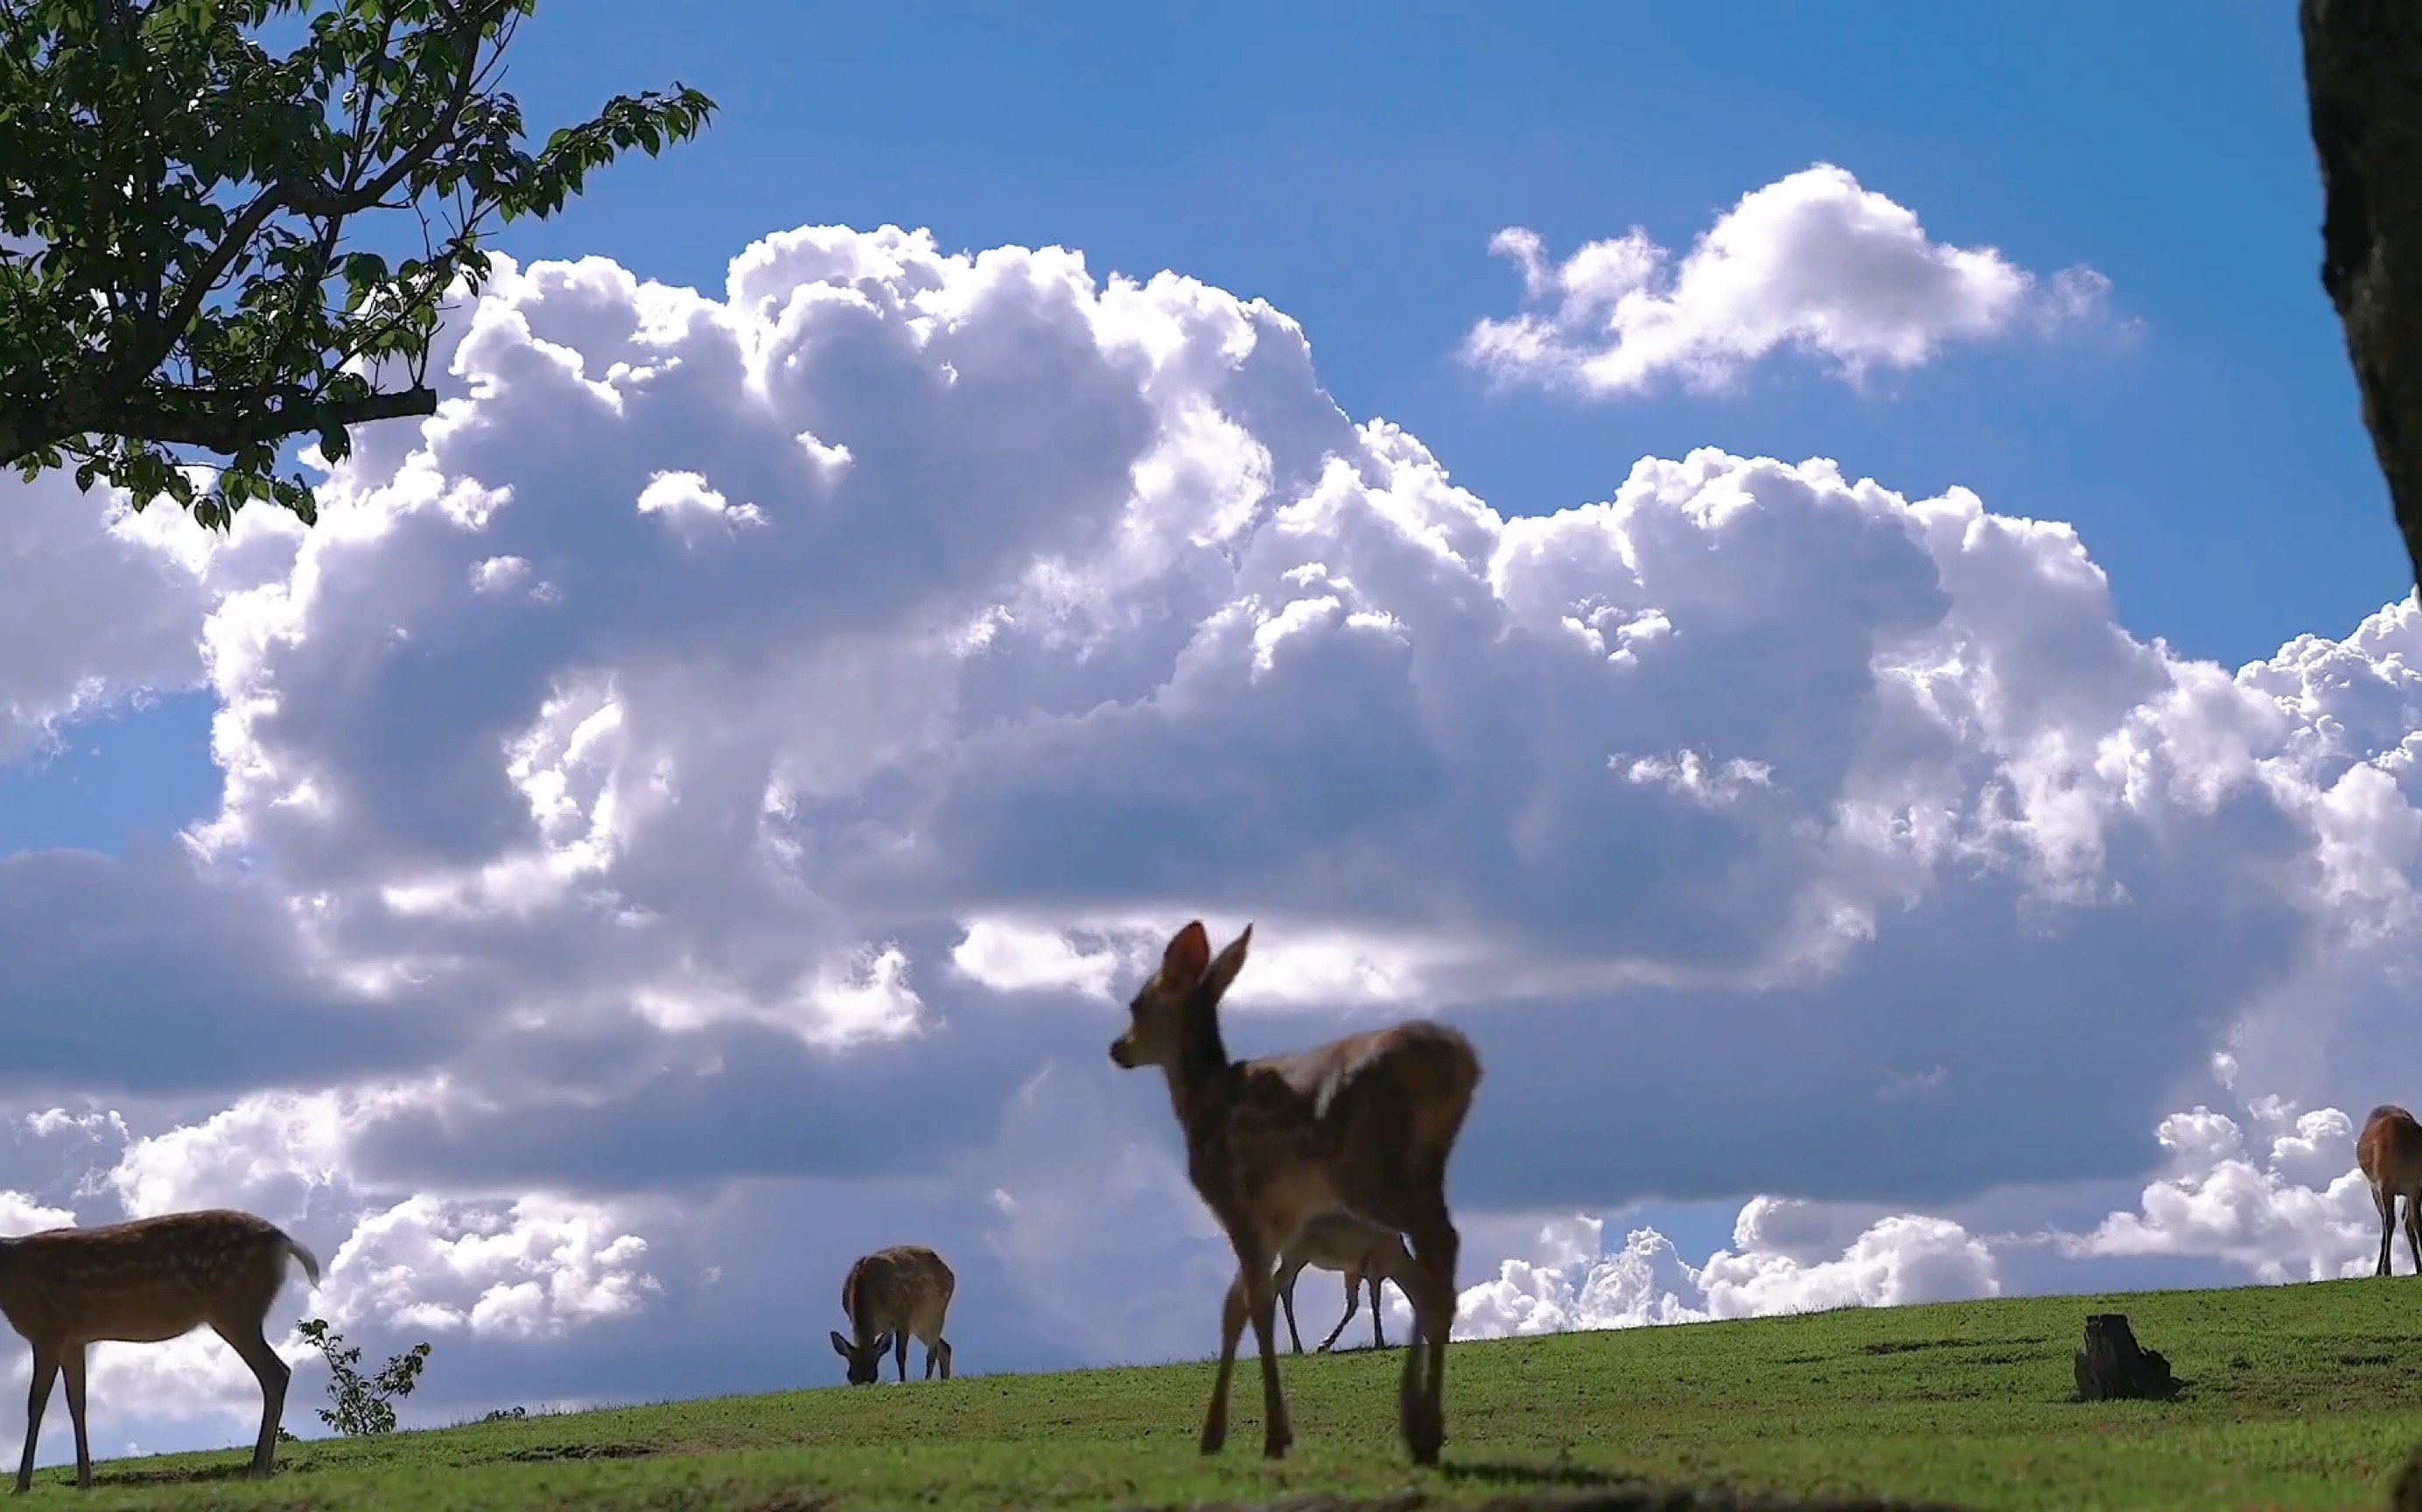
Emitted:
<point x="1288" y="1273"/>
<point x="2414" y="1228"/>
<point x="2385" y="1201"/>
<point x="944" y="1345"/>
<point x="1378" y="1339"/>
<point x="1232" y="1328"/>
<point x="246" y="1340"/>
<point x="900" y="1355"/>
<point x="1421" y="1400"/>
<point x="71" y="1364"/>
<point x="72" y="1372"/>
<point x="1353" y="1301"/>
<point x="37" y="1396"/>
<point x="1277" y="1433"/>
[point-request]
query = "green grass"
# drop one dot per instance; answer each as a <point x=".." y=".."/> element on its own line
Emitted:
<point x="2297" y="1396"/>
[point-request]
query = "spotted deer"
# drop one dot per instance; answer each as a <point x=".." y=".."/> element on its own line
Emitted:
<point x="890" y="1296"/>
<point x="147" y="1282"/>
<point x="1363" y="1124"/>
<point x="2389" y="1151"/>
<point x="1342" y="1242"/>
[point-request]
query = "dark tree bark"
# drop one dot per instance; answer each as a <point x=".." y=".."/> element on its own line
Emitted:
<point x="2113" y="1365"/>
<point x="2363" y="79"/>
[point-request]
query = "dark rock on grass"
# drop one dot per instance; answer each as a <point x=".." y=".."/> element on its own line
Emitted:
<point x="2112" y="1366"/>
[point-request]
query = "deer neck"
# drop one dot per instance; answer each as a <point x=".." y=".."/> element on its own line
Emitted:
<point x="1201" y="1064"/>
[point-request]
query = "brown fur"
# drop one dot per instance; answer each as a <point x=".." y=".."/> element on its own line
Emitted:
<point x="1362" y="1124"/>
<point x="891" y="1296"/>
<point x="1362" y="1251"/>
<point x="143" y="1283"/>
<point x="2389" y="1151"/>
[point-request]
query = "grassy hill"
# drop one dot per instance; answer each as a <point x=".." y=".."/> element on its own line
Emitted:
<point x="2297" y="1396"/>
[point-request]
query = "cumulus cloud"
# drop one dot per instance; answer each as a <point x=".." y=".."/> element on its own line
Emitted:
<point x="747" y="742"/>
<point x="2290" y="1208"/>
<point x="1784" y="1260"/>
<point x="1017" y="617"/>
<point x="21" y="1214"/>
<point x="536" y="1267"/>
<point x="1813" y="261"/>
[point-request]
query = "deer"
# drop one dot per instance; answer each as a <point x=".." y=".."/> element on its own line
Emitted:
<point x="1340" y="1242"/>
<point x="2389" y="1153"/>
<point x="1362" y="1124"/>
<point x="147" y="1282"/>
<point x="888" y="1296"/>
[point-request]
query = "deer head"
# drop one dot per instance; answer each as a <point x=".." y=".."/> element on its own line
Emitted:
<point x="865" y="1361"/>
<point x="1190" y="981"/>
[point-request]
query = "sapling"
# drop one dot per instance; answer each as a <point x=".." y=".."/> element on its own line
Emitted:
<point x="363" y="1406"/>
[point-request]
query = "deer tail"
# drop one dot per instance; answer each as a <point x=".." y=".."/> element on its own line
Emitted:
<point x="311" y="1262"/>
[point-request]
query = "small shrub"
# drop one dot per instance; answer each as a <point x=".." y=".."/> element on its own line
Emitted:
<point x="363" y="1406"/>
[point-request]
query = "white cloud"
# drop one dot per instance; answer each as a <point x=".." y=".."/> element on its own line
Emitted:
<point x="265" y="1155"/>
<point x="1008" y="956"/>
<point x="2297" y="1210"/>
<point x="21" y="1214"/>
<point x="1812" y="261"/>
<point x="535" y="1266"/>
<point x="1785" y="1262"/>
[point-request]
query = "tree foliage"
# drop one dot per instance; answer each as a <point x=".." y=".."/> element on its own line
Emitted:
<point x="178" y="269"/>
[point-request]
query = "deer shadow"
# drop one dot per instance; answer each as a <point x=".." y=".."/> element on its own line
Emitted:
<point x="1509" y="1472"/>
<point x="104" y="1480"/>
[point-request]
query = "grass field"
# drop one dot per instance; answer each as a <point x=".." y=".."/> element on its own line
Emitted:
<point x="2297" y="1396"/>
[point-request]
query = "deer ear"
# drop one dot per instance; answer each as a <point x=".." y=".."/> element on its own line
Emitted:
<point x="1223" y="970"/>
<point x="1188" y="955"/>
<point x="841" y="1346"/>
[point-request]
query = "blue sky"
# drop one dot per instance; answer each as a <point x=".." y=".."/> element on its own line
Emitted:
<point x="1862" y="813"/>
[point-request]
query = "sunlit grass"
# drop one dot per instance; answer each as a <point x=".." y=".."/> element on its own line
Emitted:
<point x="2297" y="1396"/>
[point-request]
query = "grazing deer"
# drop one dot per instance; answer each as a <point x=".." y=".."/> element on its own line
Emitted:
<point x="1342" y="1242"/>
<point x="891" y="1295"/>
<point x="2389" y="1151"/>
<point x="1362" y="1124"/>
<point x="145" y="1283"/>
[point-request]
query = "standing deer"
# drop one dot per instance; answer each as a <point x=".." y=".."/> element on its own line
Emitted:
<point x="147" y="1282"/>
<point x="1342" y="1242"/>
<point x="2389" y="1151"/>
<point x="1362" y="1124"/>
<point x="888" y="1296"/>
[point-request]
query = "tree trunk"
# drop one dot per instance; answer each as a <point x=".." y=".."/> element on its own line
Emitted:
<point x="2113" y="1365"/>
<point x="2362" y="82"/>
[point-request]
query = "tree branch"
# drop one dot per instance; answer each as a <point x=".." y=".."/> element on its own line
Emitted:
<point x="224" y="421"/>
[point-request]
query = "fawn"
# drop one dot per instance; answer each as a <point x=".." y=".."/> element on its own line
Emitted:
<point x="1340" y="1242"/>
